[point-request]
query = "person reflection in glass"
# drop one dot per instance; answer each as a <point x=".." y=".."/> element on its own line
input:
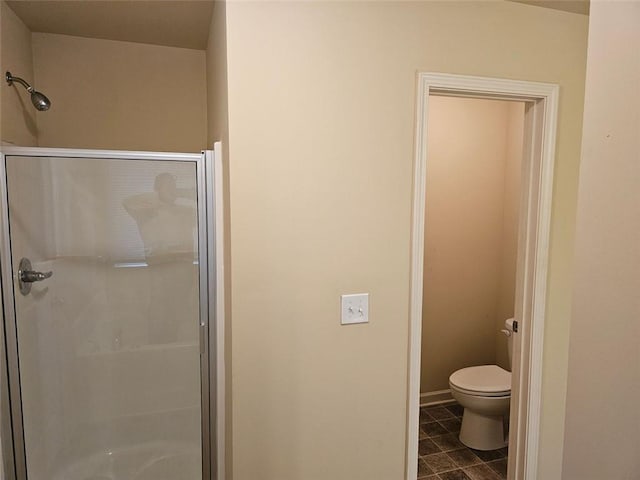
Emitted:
<point x="166" y="219"/>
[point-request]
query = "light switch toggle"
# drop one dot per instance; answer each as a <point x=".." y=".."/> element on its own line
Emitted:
<point x="355" y="308"/>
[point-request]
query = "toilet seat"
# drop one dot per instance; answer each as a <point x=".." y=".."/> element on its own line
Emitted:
<point x="484" y="380"/>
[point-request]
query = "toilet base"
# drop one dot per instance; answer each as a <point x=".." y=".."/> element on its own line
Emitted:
<point x="482" y="432"/>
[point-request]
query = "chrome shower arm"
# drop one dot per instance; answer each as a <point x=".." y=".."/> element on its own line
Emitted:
<point x="10" y="79"/>
<point x="39" y="100"/>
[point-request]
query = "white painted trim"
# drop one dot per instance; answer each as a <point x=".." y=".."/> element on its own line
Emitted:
<point x="220" y="309"/>
<point x="417" y="265"/>
<point x="545" y="96"/>
<point x="437" y="397"/>
<point x="540" y="275"/>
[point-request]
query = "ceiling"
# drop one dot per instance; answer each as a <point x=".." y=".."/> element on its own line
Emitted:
<point x="573" y="6"/>
<point x="176" y="23"/>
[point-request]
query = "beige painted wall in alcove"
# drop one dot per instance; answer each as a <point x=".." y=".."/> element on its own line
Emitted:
<point x="471" y="225"/>
<point x="120" y="95"/>
<point x="19" y="121"/>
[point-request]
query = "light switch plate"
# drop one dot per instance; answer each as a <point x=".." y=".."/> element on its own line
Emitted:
<point x="355" y="308"/>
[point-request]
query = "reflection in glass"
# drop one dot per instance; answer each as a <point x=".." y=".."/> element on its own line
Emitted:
<point x="167" y="228"/>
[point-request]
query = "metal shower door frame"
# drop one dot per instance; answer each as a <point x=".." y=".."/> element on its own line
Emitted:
<point x="11" y="420"/>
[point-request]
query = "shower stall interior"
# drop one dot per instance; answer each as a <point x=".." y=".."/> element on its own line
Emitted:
<point x="109" y="312"/>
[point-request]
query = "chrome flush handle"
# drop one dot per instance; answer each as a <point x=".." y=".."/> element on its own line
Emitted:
<point x="26" y="276"/>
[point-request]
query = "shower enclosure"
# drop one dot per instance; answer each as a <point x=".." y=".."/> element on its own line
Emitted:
<point x="108" y="288"/>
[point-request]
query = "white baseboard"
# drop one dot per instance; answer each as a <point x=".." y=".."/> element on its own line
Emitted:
<point x="437" y="397"/>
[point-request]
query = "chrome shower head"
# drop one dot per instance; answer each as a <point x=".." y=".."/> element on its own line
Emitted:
<point x="39" y="100"/>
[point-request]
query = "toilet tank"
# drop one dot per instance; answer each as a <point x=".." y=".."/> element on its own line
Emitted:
<point x="508" y="323"/>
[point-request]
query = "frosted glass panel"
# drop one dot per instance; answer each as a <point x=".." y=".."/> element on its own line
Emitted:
<point x="109" y="345"/>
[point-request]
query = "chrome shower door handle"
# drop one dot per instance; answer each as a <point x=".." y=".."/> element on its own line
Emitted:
<point x="26" y="276"/>
<point x="29" y="276"/>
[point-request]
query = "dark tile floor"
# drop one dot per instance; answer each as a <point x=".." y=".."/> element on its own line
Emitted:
<point x="443" y="457"/>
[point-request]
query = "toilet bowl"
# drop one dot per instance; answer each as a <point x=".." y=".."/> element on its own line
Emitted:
<point x="485" y="393"/>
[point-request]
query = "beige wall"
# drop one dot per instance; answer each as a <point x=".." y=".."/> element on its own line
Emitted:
<point x="120" y="95"/>
<point x="18" y="114"/>
<point x="104" y="94"/>
<point x="216" y="65"/>
<point x="218" y="130"/>
<point x="321" y="119"/>
<point x="468" y="227"/>
<point x="602" y="425"/>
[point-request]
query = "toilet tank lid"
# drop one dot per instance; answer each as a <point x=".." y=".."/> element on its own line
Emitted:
<point x="484" y="378"/>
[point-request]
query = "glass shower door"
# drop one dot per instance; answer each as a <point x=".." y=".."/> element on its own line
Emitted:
<point x="109" y="315"/>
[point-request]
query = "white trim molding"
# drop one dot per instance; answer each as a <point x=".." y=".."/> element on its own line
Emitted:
<point x="533" y="252"/>
<point x="218" y="236"/>
<point x="437" y="397"/>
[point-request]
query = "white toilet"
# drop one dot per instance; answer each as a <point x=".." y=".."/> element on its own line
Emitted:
<point x="485" y="393"/>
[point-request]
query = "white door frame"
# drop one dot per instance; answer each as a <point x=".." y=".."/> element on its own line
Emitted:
<point x="533" y="252"/>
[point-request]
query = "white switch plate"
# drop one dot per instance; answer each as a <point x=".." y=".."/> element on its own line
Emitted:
<point x="355" y="308"/>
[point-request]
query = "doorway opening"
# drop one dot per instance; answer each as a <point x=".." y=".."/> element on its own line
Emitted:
<point x="480" y="234"/>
